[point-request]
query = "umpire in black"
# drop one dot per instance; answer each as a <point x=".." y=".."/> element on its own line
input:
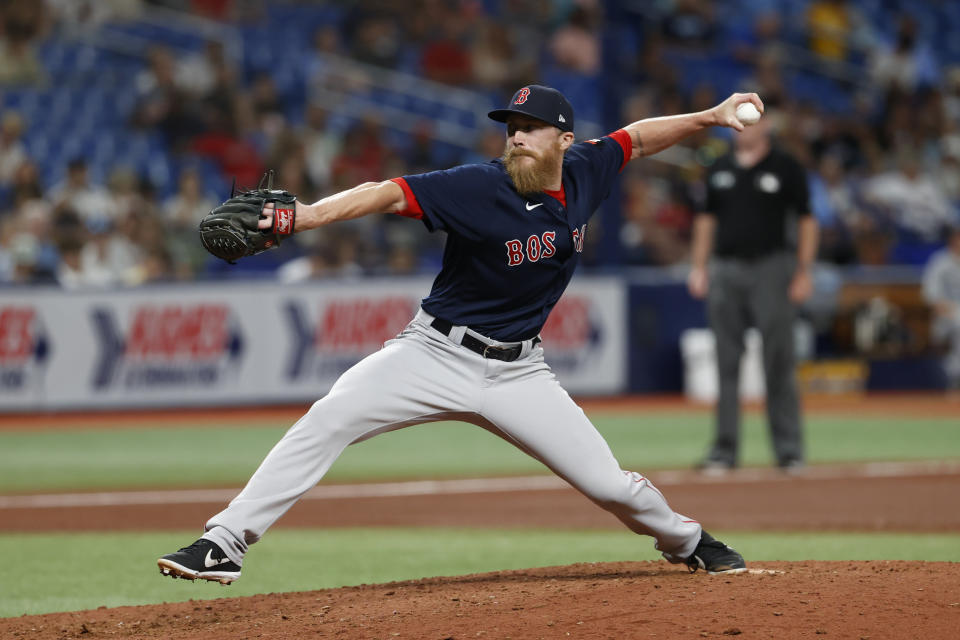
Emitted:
<point x="758" y="228"/>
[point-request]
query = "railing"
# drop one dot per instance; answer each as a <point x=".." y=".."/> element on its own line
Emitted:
<point x="112" y="37"/>
<point x="347" y="87"/>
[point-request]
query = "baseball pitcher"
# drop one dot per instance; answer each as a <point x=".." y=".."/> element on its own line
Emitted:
<point x="515" y="230"/>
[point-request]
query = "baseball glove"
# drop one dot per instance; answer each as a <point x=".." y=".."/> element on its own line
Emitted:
<point x="230" y="231"/>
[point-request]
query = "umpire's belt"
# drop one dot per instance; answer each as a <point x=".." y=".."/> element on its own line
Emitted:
<point x="507" y="354"/>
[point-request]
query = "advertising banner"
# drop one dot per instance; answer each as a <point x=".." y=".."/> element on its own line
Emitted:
<point x="585" y="337"/>
<point x="249" y="343"/>
<point x="24" y="354"/>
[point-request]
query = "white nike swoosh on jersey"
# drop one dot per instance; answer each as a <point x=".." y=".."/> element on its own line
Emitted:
<point x="531" y="207"/>
<point x="210" y="562"/>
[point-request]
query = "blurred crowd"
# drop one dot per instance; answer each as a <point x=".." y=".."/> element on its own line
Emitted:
<point x="884" y="173"/>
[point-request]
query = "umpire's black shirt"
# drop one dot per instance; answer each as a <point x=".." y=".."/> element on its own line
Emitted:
<point x="753" y="206"/>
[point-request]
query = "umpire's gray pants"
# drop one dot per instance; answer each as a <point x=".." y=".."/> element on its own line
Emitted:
<point x="744" y="293"/>
<point x="946" y="330"/>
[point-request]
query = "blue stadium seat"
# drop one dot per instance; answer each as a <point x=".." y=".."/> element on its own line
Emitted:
<point x="913" y="252"/>
<point x="105" y="147"/>
<point x="38" y="146"/>
<point x="11" y="99"/>
<point x="397" y="139"/>
<point x="52" y="171"/>
<point x="159" y="171"/>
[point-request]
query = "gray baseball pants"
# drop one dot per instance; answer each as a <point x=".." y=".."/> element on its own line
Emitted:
<point x="424" y="376"/>
<point x="744" y="293"/>
<point x="946" y="330"/>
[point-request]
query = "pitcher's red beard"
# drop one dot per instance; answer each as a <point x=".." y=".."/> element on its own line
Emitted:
<point x="533" y="177"/>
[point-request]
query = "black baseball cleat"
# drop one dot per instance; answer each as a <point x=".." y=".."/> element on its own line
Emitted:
<point x="203" y="559"/>
<point x="715" y="557"/>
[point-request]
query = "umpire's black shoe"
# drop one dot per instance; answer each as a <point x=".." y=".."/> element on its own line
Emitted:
<point x="792" y="467"/>
<point x="715" y="557"/>
<point x="714" y="468"/>
<point x="203" y="559"/>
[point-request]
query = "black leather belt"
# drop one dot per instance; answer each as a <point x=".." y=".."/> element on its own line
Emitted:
<point x="507" y="354"/>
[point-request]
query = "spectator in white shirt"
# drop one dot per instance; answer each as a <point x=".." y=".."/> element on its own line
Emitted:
<point x="93" y="203"/>
<point x="911" y="199"/>
<point x="941" y="290"/>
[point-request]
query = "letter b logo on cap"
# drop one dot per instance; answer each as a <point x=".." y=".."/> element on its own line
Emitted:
<point x="522" y="96"/>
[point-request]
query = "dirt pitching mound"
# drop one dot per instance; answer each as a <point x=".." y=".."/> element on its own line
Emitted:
<point x="858" y="600"/>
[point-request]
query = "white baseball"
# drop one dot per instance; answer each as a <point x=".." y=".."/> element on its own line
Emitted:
<point x="747" y="113"/>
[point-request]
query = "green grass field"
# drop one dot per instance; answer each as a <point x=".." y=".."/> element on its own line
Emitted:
<point x="105" y="569"/>
<point x="157" y="455"/>
<point x="69" y="571"/>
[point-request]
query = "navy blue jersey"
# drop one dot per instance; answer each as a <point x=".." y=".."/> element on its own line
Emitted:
<point x="508" y="258"/>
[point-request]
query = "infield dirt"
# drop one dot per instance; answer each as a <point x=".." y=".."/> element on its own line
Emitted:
<point x="859" y="600"/>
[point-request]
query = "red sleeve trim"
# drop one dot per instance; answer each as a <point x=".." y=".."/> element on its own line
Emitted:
<point x="413" y="209"/>
<point x="626" y="143"/>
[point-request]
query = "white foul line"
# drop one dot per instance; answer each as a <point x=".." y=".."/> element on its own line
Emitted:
<point x="326" y="492"/>
<point x="472" y="485"/>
